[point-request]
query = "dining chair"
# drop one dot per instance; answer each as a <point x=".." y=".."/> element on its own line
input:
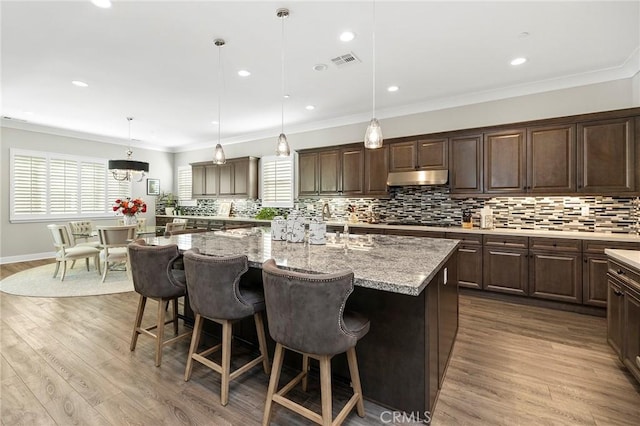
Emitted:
<point x="81" y="232"/>
<point x="174" y="226"/>
<point x="114" y="241"/>
<point x="68" y="251"/>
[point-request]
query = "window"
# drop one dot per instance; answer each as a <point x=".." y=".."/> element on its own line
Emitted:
<point x="184" y="183"/>
<point x="276" y="181"/>
<point x="56" y="186"/>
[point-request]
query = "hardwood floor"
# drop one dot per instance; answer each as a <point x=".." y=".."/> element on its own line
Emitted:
<point x="67" y="361"/>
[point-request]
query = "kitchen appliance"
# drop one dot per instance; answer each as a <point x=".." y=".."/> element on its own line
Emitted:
<point x="418" y="177"/>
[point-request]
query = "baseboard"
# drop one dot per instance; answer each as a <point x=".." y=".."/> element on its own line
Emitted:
<point x="27" y="257"/>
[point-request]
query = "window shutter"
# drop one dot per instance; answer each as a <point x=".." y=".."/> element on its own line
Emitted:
<point x="116" y="190"/>
<point x="92" y="190"/>
<point x="63" y="186"/>
<point x="276" y="181"/>
<point x="29" y="185"/>
<point x="184" y="183"/>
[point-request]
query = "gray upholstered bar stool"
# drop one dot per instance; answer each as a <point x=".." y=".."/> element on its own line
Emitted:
<point x="155" y="278"/>
<point x="306" y="315"/>
<point x="215" y="293"/>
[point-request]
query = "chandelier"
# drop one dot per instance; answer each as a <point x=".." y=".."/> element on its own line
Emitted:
<point x="128" y="170"/>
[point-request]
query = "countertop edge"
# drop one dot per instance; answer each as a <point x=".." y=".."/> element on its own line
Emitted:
<point x="630" y="258"/>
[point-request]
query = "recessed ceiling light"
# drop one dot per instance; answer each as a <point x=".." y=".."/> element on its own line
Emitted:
<point x="320" y="67"/>
<point x="518" y="61"/>
<point x="244" y="73"/>
<point x="214" y="122"/>
<point x="347" y="36"/>
<point x="310" y="107"/>
<point x="79" y="83"/>
<point x="392" y="88"/>
<point x="286" y="96"/>
<point x="523" y="34"/>
<point x="105" y="4"/>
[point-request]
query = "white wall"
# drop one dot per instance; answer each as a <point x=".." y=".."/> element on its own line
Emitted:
<point x="612" y="95"/>
<point x="23" y="241"/>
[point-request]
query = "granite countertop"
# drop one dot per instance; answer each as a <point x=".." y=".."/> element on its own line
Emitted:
<point x="390" y="263"/>
<point x="582" y="235"/>
<point x="628" y="257"/>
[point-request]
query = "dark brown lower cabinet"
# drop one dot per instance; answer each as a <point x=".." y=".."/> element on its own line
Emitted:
<point x="615" y="310"/>
<point x="505" y="270"/>
<point x="556" y="276"/>
<point x="470" y="266"/>
<point x="631" y="338"/>
<point x="594" y="280"/>
<point x="447" y="314"/>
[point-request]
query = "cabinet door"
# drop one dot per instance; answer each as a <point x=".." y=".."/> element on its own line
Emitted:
<point x="329" y="172"/>
<point x="631" y="337"/>
<point x="402" y="156"/>
<point x="504" y="162"/>
<point x="551" y="159"/>
<point x="308" y="173"/>
<point x="226" y="179"/>
<point x="211" y="180"/>
<point x="594" y="279"/>
<point x="606" y="156"/>
<point x="352" y="171"/>
<point x="448" y="315"/>
<point x="615" y="310"/>
<point x="376" y="169"/>
<point x="466" y="164"/>
<point x="433" y="154"/>
<point x="470" y="266"/>
<point x="197" y="181"/>
<point x="241" y="177"/>
<point x="505" y="270"/>
<point x="556" y="276"/>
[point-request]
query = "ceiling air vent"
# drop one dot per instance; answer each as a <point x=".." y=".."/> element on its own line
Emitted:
<point x="344" y="60"/>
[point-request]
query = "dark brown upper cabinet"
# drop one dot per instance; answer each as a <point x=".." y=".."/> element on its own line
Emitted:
<point x="423" y="154"/>
<point x="308" y="173"/>
<point x="606" y="156"/>
<point x="332" y="172"/>
<point x="465" y="156"/>
<point x="352" y="171"/>
<point x="329" y="172"/>
<point x="376" y="169"/>
<point x="505" y="161"/>
<point x="551" y="159"/>
<point x="237" y="178"/>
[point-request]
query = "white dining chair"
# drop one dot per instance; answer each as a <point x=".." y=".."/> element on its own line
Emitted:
<point x="68" y="251"/>
<point x="114" y="241"/>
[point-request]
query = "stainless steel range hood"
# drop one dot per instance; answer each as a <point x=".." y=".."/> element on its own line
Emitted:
<point x="420" y="177"/>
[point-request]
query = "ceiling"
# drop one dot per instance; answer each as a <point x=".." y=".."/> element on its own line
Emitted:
<point x="156" y="61"/>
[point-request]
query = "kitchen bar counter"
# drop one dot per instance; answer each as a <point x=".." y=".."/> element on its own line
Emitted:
<point x="382" y="262"/>
<point x="630" y="258"/>
<point x="581" y="235"/>
<point x="406" y="286"/>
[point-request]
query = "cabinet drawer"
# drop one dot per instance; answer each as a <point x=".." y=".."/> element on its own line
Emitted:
<point x="415" y="233"/>
<point x="623" y="273"/>
<point x="506" y="241"/>
<point x="595" y="246"/>
<point x="555" y="244"/>
<point x="467" y="239"/>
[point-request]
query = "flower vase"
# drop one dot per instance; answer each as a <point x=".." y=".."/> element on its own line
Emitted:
<point x="130" y="219"/>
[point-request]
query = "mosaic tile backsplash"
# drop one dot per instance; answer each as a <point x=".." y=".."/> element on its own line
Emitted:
<point x="433" y="205"/>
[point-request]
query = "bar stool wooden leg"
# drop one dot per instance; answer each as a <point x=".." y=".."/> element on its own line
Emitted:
<point x="325" y="389"/>
<point x="175" y="316"/>
<point x="355" y="379"/>
<point x="273" y="383"/>
<point x="305" y="369"/>
<point x="160" y="332"/>
<point x="134" y="338"/>
<point x="195" y="341"/>
<point x="226" y="361"/>
<point x="262" y="342"/>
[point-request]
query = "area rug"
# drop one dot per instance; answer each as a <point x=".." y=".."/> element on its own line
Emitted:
<point x="39" y="282"/>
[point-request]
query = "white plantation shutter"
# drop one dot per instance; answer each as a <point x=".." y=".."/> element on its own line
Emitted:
<point x="184" y="183"/>
<point x="28" y="187"/>
<point x="47" y="186"/>
<point x="276" y="181"/>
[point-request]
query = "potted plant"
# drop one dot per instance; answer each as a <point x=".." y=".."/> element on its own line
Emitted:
<point x="169" y="201"/>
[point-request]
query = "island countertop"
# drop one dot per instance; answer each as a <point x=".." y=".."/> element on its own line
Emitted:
<point x="390" y="263"/>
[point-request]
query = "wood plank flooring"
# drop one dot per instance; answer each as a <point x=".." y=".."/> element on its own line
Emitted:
<point x="67" y="361"/>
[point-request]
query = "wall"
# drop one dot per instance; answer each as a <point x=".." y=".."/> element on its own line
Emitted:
<point x="32" y="240"/>
<point x="635" y="88"/>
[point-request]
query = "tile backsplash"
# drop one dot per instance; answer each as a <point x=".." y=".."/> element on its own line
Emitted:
<point x="433" y="205"/>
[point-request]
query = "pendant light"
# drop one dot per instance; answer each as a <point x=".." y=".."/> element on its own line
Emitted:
<point x="127" y="170"/>
<point x="218" y="153"/>
<point x="282" y="149"/>
<point x="373" y="136"/>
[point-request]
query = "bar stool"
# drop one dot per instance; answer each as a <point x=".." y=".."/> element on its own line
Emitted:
<point x="216" y="294"/>
<point x="154" y="278"/>
<point x="306" y="315"/>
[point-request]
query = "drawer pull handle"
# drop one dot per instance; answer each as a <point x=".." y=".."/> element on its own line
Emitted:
<point x="638" y="361"/>
<point x="617" y="292"/>
<point x="620" y="272"/>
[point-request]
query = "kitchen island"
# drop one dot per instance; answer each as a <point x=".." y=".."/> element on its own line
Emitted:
<point x="406" y="286"/>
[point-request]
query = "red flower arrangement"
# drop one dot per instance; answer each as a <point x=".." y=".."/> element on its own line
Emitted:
<point x="130" y="207"/>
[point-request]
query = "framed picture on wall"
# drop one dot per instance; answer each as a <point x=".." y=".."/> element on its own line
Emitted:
<point x="153" y="186"/>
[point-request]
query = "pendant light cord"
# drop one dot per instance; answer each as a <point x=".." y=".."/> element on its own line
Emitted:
<point x="373" y="42"/>
<point x="282" y="94"/>
<point x="219" y="91"/>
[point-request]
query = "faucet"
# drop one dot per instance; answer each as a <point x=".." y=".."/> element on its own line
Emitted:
<point x="326" y="212"/>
